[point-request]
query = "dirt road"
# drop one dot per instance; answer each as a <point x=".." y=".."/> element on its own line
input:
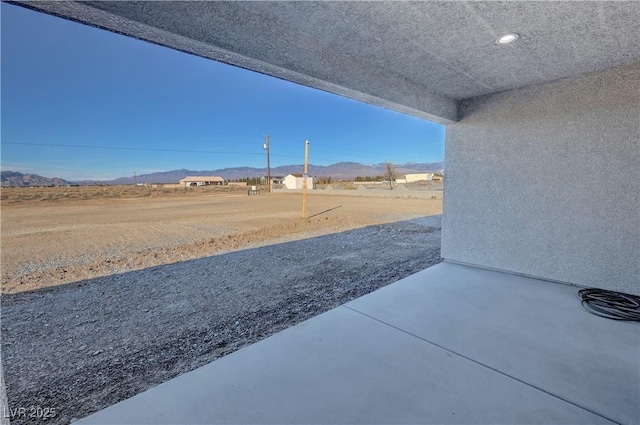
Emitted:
<point x="54" y="237"/>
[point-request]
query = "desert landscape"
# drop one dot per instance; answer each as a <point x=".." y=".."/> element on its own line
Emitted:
<point x="58" y="235"/>
<point x="109" y="291"/>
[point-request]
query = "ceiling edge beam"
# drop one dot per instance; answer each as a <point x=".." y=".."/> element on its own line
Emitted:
<point x="396" y="94"/>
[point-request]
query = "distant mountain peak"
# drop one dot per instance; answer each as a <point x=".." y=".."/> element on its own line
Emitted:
<point x="341" y="170"/>
<point x="337" y="171"/>
<point x="16" y="179"/>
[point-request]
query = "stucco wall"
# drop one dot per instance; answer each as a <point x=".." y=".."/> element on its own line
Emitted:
<point x="545" y="180"/>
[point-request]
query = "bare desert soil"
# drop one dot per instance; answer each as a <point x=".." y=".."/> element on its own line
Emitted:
<point x="162" y="284"/>
<point x="53" y="236"/>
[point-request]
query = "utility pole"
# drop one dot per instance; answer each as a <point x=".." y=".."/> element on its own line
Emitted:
<point x="135" y="177"/>
<point x="266" y="147"/>
<point x="304" y="179"/>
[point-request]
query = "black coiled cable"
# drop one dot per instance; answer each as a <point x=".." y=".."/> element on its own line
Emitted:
<point x="610" y="304"/>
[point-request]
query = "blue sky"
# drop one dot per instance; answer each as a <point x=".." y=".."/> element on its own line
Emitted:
<point x="82" y="103"/>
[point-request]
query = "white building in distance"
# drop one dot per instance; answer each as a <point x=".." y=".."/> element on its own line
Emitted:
<point x="296" y="181"/>
<point x="202" y="181"/>
<point x="417" y="177"/>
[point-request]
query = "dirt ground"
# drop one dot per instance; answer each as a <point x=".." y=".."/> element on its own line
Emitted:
<point x="54" y="236"/>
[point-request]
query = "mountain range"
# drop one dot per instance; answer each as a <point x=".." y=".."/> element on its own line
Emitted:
<point x="15" y="179"/>
<point x="338" y="171"/>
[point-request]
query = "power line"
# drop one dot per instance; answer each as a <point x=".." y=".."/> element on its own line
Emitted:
<point x="428" y="142"/>
<point x="344" y="154"/>
<point x="129" y="148"/>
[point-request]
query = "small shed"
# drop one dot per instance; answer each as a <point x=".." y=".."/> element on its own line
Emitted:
<point x="296" y="181"/>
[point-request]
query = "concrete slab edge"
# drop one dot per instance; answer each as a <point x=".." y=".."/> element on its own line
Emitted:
<point x="514" y="273"/>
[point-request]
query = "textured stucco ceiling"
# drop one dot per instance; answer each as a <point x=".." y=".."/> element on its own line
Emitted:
<point x="415" y="57"/>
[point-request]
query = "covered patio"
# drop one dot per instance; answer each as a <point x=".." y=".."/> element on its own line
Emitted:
<point x="496" y="334"/>
<point x="451" y="344"/>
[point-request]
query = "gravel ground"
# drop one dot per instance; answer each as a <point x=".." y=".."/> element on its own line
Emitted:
<point x="81" y="347"/>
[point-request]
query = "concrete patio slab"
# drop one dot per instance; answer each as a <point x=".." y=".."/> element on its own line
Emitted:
<point x="534" y="331"/>
<point x="367" y="362"/>
<point x="343" y="367"/>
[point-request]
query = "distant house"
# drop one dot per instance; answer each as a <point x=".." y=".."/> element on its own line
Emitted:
<point x="203" y="181"/>
<point x="274" y="179"/>
<point x="418" y="177"/>
<point x="296" y="181"/>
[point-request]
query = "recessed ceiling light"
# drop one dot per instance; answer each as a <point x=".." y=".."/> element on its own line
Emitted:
<point x="507" y="39"/>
